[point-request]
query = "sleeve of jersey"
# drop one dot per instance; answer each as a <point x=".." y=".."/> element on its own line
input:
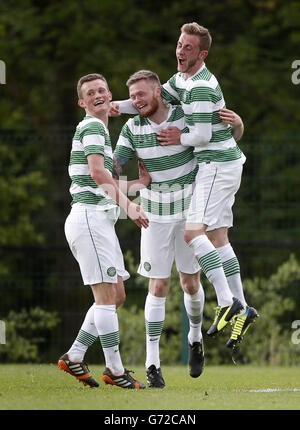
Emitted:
<point x="126" y="106"/>
<point x="198" y="117"/>
<point x="93" y="138"/>
<point x="169" y="91"/>
<point x="124" y="147"/>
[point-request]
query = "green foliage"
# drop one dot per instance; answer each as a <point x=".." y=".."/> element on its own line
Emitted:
<point x="48" y="45"/>
<point x="21" y="190"/>
<point x="27" y="335"/>
<point x="268" y="341"/>
<point x="277" y="300"/>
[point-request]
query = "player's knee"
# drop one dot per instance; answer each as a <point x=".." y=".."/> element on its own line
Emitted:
<point x="188" y="236"/>
<point x="191" y="232"/>
<point x="190" y="284"/>
<point x="159" y="287"/>
<point x="218" y="237"/>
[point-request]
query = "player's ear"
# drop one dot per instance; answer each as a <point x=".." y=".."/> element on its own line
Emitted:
<point x="203" y="54"/>
<point x="81" y="103"/>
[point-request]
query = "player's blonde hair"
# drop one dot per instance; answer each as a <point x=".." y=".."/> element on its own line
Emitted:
<point x="88" y="78"/>
<point x="143" y="74"/>
<point x="205" y="38"/>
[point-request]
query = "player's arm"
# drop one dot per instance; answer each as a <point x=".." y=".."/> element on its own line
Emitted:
<point x="124" y="151"/>
<point x="122" y="106"/>
<point x="199" y="121"/>
<point x="135" y="185"/>
<point x="234" y="120"/>
<point x="168" y="93"/>
<point x="103" y="178"/>
<point x="119" y="162"/>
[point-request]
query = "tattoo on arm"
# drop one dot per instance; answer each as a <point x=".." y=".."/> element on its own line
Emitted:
<point x="118" y="163"/>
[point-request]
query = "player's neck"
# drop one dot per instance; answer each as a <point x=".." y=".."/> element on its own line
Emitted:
<point x="161" y="114"/>
<point x="103" y="116"/>
<point x="193" y="70"/>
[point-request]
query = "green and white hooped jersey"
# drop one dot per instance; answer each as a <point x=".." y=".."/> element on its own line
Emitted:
<point x="172" y="168"/>
<point x="91" y="137"/>
<point x="201" y="98"/>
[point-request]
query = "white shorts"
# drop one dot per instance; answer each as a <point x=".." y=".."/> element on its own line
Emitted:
<point x="93" y="241"/>
<point x="161" y="244"/>
<point x="214" y="195"/>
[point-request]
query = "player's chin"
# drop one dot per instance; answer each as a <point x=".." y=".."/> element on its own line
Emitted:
<point x="181" y="67"/>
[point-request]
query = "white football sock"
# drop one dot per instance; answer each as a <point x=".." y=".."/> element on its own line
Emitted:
<point x="211" y="264"/>
<point x="194" y="304"/>
<point x="87" y="335"/>
<point x="154" y="319"/>
<point x="232" y="272"/>
<point x="106" y="321"/>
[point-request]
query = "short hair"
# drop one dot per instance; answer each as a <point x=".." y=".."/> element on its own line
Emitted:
<point x="201" y="32"/>
<point x="143" y="74"/>
<point x="88" y="78"/>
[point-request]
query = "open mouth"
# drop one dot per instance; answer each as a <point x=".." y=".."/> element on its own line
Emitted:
<point x="100" y="102"/>
<point x="141" y="106"/>
<point x="181" y="61"/>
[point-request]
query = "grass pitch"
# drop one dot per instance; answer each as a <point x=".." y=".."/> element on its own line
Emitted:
<point x="45" y="387"/>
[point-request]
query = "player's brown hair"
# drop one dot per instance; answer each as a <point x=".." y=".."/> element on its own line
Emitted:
<point x="88" y="78"/>
<point x="202" y="32"/>
<point x="143" y="74"/>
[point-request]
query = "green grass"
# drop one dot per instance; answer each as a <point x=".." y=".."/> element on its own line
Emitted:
<point x="45" y="387"/>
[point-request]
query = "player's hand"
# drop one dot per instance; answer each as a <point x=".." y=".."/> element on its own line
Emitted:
<point x="137" y="215"/>
<point x="230" y="117"/>
<point x="114" y="109"/>
<point x="169" y="136"/>
<point x="144" y="175"/>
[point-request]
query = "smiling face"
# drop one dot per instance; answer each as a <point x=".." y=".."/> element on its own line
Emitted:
<point x="95" y="98"/>
<point x="189" y="55"/>
<point x="145" y="97"/>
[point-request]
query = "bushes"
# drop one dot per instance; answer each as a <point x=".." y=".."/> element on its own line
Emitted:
<point x="268" y="341"/>
<point x="277" y="300"/>
<point x="27" y="335"/>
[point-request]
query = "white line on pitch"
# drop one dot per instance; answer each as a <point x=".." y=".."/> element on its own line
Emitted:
<point x="272" y="390"/>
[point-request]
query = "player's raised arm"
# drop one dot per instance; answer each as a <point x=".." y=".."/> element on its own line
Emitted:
<point x="234" y="120"/>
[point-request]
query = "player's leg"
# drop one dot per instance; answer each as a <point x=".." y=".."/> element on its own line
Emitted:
<point x="201" y="214"/>
<point x="79" y="239"/>
<point x="73" y="361"/>
<point x="92" y="239"/>
<point x="194" y="304"/>
<point x="219" y="238"/>
<point x="248" y="315"/>
<point x="88" y="334"/>
<point x="157" y="256"/>
<point x="189" y="273"/>
<point x="229" y="181"/>
<point x="106" y="322"/>
<point x="213" y="188"/>
<point x="155" y="305"/>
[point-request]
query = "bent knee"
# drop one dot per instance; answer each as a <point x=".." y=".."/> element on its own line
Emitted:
<point x="159" y="287"/>
<point x="193" y="230"/>
<point x="190" y="283"/>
